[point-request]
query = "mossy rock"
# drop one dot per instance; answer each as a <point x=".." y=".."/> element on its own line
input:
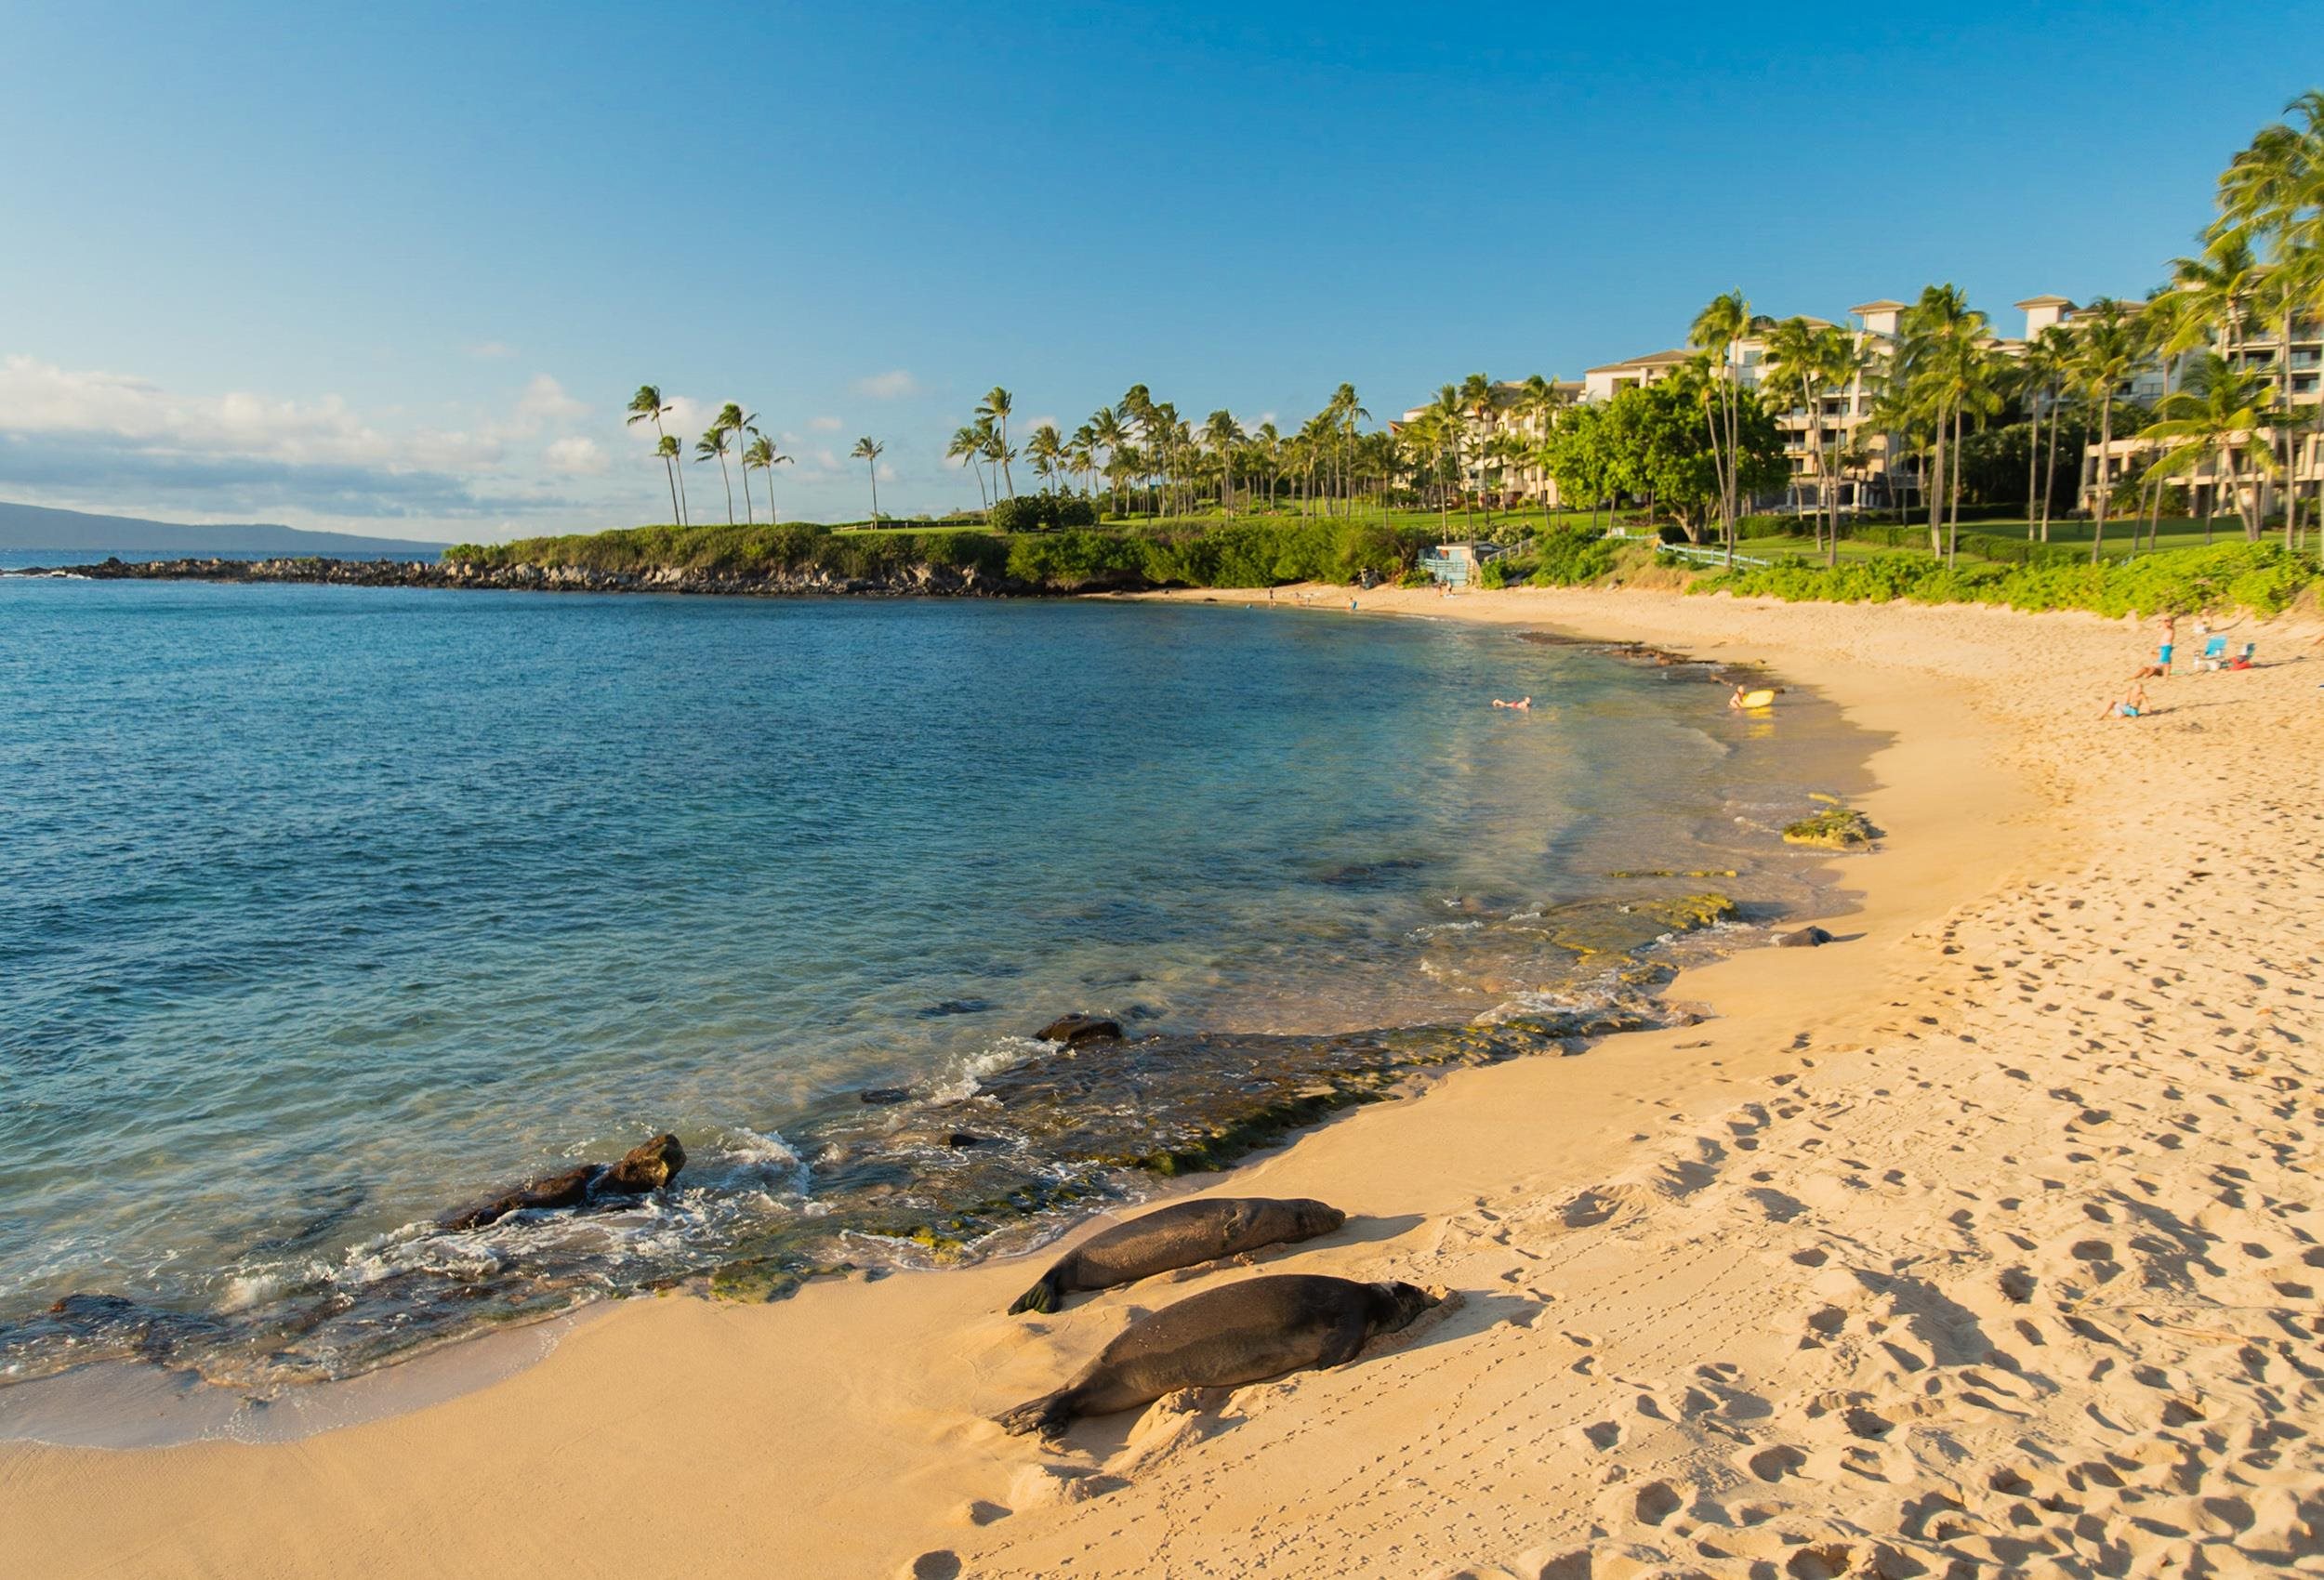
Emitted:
<point x="1836" y="828"/>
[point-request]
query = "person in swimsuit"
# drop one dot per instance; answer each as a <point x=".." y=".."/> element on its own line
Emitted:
<point x="1520" y="704"/>
<point x="2133" y="704"/>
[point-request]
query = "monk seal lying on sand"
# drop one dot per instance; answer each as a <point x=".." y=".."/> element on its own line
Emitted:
<point x="1178" y="1236"/>
<point x="1259" y="1328"/>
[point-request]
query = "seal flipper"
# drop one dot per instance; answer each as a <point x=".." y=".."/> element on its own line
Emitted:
<point x="1045" y="1296"/>
<point x="1049" y="1415"/>
<point x="1343" y="1342"/>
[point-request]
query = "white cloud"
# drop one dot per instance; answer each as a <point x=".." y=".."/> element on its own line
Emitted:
<point x="491" y="350"/>
<point x="892" y="386"/>
<point x="576" y="458"/>
<point x="823" y="424"/>
<point x="545" y="401"/>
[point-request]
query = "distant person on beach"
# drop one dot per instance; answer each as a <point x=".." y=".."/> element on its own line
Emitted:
<point x="1520" y="705"/>
<point x="2133" y="702"/>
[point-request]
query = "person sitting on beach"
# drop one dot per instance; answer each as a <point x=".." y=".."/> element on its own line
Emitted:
<point x="2133" y="702"/>
<point x="1520" y="705"/>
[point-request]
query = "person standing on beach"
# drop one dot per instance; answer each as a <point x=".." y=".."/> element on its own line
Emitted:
<point x="2169" y="643"/>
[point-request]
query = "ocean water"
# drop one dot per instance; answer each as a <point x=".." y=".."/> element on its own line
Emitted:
<point x="326" y="911"/>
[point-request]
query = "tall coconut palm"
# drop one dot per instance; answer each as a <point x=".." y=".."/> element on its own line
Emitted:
<point x="1719" y="330"/>
<point x="667" y="449"/>
<point x="1082" y="454"/>
<point x="2222" y="415"/>
<point x="646" y="405"/>
<point x="1223" y="435"/>
<point x="731" y="418"/>
<point x="995" y="408"/>
<point x="968" y="448"/>
<point x="869" y="453"/>
<point x="2273" y="191"/>
<point x="1109" y="432"/>
<point x="1445" y="430"/>
<point x="1937" y="361"/>
<point x="1267" y="446"/>
<point x="1047" y="446"/>
<point x="760" y="454"/>
<point x="1794" y="374"/>
<point x="714" y="443"/>
<point x="2106" y="352"/>
<point x="2044" y="368"/>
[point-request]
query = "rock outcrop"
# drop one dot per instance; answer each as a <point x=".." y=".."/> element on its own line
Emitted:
<point x="917" y="580"/>
<point x="641" y="1169"/>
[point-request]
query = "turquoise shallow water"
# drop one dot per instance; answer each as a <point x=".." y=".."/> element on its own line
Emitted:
<point x="323" y="911"/>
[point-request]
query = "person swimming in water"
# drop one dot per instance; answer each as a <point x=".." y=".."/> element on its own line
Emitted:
<point x="1520" y="704"/>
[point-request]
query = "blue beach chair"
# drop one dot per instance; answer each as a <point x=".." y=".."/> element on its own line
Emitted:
<point x="2214" y="654"/>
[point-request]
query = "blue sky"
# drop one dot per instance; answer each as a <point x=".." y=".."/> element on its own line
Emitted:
<point x="396" y="269"/>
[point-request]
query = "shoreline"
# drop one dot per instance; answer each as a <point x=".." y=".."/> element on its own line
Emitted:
<point x="876" y="1449"/>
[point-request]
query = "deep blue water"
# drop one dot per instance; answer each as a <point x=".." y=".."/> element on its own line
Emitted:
<point x="322" y="910"/>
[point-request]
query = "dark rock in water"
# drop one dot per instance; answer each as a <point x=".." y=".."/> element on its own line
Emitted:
<point x="1806" y="938"/>
<point x="880" y="1094"/>
<point x="647" y="1168"/>
<point x="962" y="1138"/>
<point x="642" y="1168"/>
<point x="1075" y="1030"/>
<point x="956" y="1007"/>
<point x="566" y="1189"/>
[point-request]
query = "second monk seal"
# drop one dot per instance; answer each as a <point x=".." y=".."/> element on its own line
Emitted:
<point x="1261" y="1327"/>
<point x="1178" y="1236"/>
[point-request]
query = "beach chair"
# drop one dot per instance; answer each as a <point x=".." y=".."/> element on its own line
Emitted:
<point x="2243" y="659"/>
<point x="2214" y="654"/>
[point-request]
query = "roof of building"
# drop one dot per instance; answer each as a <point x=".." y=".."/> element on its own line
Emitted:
<point x="2046" y="302"/>
<point x="1652" y="359"/>
<point x="1883" y="305"/>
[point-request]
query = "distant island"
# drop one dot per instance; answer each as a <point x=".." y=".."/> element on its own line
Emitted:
<point x="40" y="527"/>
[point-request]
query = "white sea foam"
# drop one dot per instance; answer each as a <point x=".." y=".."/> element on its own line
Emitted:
<point x="966" y="1077"/>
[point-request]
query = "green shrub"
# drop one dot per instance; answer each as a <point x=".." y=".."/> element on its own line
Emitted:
<point x="1493" y="574"/>
<point x="2264" y="578"/>
<point x="1569" y="556"/>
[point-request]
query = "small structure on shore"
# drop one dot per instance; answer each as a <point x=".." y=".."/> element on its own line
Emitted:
<point x="1457" y="564"/>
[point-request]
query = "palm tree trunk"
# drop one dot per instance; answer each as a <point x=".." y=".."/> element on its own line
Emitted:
<point x="2289" y="446"/>
<point x="672" y="472"/>
<point x="871" y="464"/>
<point x="2033" y="458"/>
<point x="729" y="479"/>
<point x="2106" y="442"/>
<point x="2049" y="474"/>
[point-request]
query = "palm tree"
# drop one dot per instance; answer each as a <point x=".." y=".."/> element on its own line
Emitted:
<point x="1107" y="428"/>
<point x="995" y="408"/>
<point x="761" y="455"/>
<point x="2044" y="368"/>
<point x="1222" y="434"/>
<point x="1718" y="330"/>
<point x="2273" y="191"/>
<point x="732" y="419"/>
<point x="869" y="454"/>
<point x="2221" y="415"/>
<point x="1939" y="366"/>
<point x="666" y="448"/>
<point x="968" y="448"/>
<point x="1267" y="444"/>
<point x="646" y="406"/>
<point x="1082" y="452"/>
<point x="1794" y="371"/>
<point x="714" y="443"/>
<point x="1047" y="447"/>
<point x="2107" y="353"/>
<point x="1447" y="431"/>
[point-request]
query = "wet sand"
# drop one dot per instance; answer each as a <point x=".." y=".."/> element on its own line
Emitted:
<point x="1985" y="1237"/>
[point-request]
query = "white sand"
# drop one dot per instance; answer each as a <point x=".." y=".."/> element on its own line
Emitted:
<point x="1982" y="1244"/>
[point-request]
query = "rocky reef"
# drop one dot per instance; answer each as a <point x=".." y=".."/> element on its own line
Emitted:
<point x="911" y="580"/>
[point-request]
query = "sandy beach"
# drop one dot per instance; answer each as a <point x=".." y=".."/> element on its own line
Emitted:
<point x="1982" y="1241"/>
